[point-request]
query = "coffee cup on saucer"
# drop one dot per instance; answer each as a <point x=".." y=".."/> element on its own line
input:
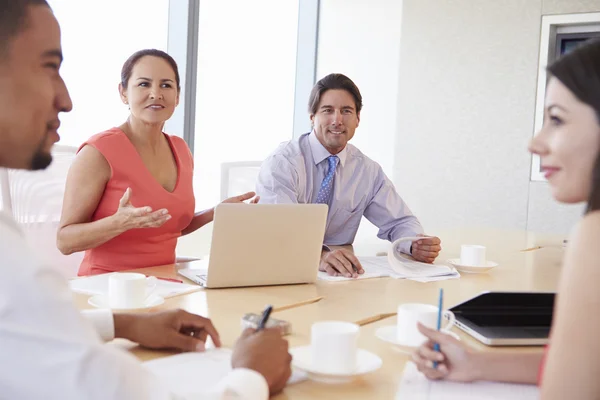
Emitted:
<point x="472" y="259"/>
<point x="130" y="289"/>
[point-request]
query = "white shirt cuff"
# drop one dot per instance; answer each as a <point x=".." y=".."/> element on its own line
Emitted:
<point x="247" y="384"/>
<point x="103" y="322"/>
<point x="404" y="247"/>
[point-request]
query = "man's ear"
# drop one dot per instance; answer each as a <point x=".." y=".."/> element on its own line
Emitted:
<point x="357" y="119"/>
<point x="123" y="94"/>
<point x="312" y="120"/>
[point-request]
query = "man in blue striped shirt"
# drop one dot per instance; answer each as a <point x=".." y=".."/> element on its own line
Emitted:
<point x="321" y="167"/>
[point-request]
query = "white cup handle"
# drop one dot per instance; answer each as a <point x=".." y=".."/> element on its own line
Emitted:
<point x="151" y="285"/>
<point x="451" y="320"/>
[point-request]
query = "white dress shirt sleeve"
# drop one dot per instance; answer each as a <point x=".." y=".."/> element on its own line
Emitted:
<point x="277" y="181"/>
<point x="103" y="321"/>
<point x="390" y="213"/>
<point x="243" y="384"/>
<point x="49" y="350"/>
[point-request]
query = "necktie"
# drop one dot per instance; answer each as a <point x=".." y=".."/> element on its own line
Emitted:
<point x="324" y="194"/>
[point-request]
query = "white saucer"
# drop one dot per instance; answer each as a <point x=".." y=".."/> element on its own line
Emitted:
<point x="388" y="334"/>
<point x="101" y="301"/>
<point x="366" y="362"/>
<point x="470" y="269"/>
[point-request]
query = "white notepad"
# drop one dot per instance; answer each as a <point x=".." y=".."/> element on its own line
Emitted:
<point x="186" y="372"/>
<point x="98" y="284"/>
<point x="415" y="386"/>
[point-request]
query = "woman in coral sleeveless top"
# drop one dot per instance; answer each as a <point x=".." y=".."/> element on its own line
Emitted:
<point x="129" y="193"/>
<point x="569" y="146"/>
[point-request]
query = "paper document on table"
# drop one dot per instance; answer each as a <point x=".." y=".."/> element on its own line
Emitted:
<point x="399" y="266"/>
<point x="323" y="276"/>
<point x="187" y="372"/>
<point x="415" y="386"/>
<point x="405" y="267"/>
<point x="378" y="267"/>
<point x="98" y="284"/>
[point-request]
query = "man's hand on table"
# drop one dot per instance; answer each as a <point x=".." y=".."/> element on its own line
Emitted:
<point x="173" y="329"/>
<point x="426" y="249"/>
<point x="340" y="262"/>
<point x="265" y="352"/>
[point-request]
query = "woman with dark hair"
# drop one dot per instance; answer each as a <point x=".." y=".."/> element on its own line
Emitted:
<point x="129" y="193"/>
<point x="569" y="147"/>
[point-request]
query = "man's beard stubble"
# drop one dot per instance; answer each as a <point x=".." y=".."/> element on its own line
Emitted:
<point x="40" y="159"/>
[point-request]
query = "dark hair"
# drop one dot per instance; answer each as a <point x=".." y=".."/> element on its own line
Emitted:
<point x="13" y="19"/>
<point x="579" y="71"/>
<point x="135" y="57"/>
<point x="333" y="81"/>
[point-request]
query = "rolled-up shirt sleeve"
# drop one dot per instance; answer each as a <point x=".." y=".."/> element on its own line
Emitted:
<point x="390" y="213"/>
<point x="277" y="181"/>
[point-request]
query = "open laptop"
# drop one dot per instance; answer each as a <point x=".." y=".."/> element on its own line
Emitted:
<point x="507" y="318"/>
<point x="262" y="244"/>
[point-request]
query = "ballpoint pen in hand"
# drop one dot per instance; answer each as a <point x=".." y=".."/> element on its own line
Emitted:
<point x="436" y="346"/>
<point x="265" y="317"/>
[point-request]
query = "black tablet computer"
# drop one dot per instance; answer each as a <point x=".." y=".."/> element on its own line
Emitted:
<point x="507" y="318"/>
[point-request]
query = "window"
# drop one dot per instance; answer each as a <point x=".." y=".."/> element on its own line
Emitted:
<point x="245" y="85"/>
<point x="560" y="34"/>
<point x="97" y="38"/>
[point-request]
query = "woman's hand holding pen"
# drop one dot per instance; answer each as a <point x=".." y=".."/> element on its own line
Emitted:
<point x="454" y="361"/>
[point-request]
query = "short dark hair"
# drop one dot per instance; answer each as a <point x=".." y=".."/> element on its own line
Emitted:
<point x="135" y="57"/>
<point x="333" y="81"/>
<point x="13" y="19"/>
<point x="579" y="71"/>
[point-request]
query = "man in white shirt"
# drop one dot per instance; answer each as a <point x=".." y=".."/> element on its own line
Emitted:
<point x="322" y="167"/>
<point x="48" y="349"/>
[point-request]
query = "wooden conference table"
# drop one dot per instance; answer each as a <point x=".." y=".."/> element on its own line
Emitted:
<point x="534" y="270"/>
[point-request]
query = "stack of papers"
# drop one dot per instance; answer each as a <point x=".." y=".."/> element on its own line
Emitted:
<point x="397" y="265"/>
<point x="377" y="267"/>
<point x="98" y="285"/>
<point x="188" y="372"/>
<point x="415" y="386"/>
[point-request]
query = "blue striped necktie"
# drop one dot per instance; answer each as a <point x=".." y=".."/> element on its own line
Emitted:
<point x="324" y="194"/>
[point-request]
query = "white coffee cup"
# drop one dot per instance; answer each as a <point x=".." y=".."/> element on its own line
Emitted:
<point x="334" y="346"/>
<point x="129" y="289"/>
<point x="409" y="314"/>
<point x="472" y="255"/>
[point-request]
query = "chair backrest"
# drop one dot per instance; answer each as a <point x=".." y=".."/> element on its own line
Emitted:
<point x="35" y="202"/>
<point x="238" y="177"/>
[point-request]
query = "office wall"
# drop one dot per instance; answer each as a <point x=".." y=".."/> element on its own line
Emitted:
<point x="466" y="93"/>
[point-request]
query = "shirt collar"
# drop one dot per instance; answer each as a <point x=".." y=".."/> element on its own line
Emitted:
<point x="320" y="153"/>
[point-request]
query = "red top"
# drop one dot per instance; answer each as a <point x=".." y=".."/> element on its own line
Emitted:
<point x="145" y="247"/>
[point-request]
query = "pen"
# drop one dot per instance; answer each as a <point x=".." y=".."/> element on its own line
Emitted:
<point x="264" y="318"/>
<point x="436" y="346"/>
<point x="168" y="279"/>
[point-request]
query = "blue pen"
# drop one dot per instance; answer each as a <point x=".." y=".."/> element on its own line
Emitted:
<point x="264" y="318"/>
<point x="436" y="346"/>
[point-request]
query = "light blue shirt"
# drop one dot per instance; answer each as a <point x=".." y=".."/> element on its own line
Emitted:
<point x="294" y="172"/>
